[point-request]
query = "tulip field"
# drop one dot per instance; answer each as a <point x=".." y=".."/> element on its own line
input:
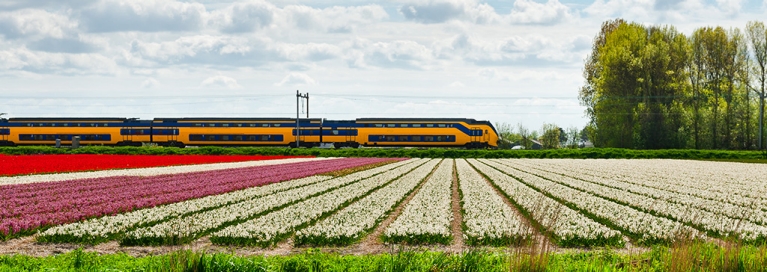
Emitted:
<point x="322" y="202"/>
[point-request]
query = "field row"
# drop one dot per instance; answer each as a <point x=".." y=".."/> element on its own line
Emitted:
<point x="28" y="207"/>
<point x="574" y="202"/>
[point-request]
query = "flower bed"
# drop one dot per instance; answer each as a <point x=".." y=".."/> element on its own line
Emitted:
<point x="30" y="206"/>
<point x="39" y="164"/>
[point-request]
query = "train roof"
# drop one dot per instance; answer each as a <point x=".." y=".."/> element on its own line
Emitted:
<point x="466" y="120"/>
<point x="196" y="119"/>
<point x="59" y="119"/>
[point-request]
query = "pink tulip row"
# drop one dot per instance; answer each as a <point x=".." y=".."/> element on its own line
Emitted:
<point x="27" y="207"/>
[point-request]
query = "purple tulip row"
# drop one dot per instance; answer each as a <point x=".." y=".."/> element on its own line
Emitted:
<point x="29" y="206"/>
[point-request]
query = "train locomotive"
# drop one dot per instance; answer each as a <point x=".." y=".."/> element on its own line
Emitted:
<point x="312" y="132"/>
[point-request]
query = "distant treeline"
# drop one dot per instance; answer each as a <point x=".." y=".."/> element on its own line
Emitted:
<point x="652" y="87"/>
<point x="584" y="153"/>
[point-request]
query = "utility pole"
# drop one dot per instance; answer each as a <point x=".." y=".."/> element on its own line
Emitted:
<point x="298" y="129"/>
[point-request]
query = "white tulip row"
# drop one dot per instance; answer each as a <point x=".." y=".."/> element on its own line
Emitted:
<point x="350" y="223"/>
<point x="691" y="213"/>
<point x="487" y="218"/>
<point x="569" y="227"/>
<point x="184" y="229"/>
<point x="427" y="217"/>
<point x="152" y="171"/>
<point x="646" y="227"/>
<point x="102" y="228"/>
<point x="272" y="227"/>
<point x="735" y="183"/>
<point x="724" y="208"/>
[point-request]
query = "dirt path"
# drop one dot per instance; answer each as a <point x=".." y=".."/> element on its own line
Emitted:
<point x="456" y="226"/>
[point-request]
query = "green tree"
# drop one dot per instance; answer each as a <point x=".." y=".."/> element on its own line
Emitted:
<point x="550" y="137"/>
<point x="592" y="72"/>
<point x="757" y="36"/>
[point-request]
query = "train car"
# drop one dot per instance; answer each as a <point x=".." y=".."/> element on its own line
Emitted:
<point x="340" y="133"/>
<point x="5" y="133"/>
<point x="428" y="132"/>
<point x="92" y="131"/>
<point x="234" y="131"/>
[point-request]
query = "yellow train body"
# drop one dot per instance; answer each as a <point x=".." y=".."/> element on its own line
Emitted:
<point x="368" y="132"/>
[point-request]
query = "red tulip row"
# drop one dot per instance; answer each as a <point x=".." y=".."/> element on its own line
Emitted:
<point x="39" y="164"/>
<point x="27" y="207"/>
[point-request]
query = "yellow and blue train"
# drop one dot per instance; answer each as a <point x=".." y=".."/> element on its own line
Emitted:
<point x="368" y="132"/>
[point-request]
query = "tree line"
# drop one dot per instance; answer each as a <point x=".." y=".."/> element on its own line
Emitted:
<point x="652" y="87"/>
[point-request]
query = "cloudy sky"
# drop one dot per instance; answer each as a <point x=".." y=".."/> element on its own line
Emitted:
<point x="512" y="61"/>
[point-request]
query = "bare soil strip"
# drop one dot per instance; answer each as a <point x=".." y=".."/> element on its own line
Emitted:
<point x="457" y="225"/>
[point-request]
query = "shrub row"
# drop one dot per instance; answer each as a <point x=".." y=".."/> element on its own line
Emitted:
<point x="592" y="153"/>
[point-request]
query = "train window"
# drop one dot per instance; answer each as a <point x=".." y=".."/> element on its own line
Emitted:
<point x="225" y="138"/>
<point x="195" y="137"/>
<point x="211" y="138"/>
<point x="211" y="124"/>
<point x="239" y="124"/>
<point x="277" y="125"/>
<point x="197" y="124"/>
<point x="264" y="137"/>
<point x="429" y="125"/>
<point x="335" y="132"/>
<point x="440" y="138"/>
<point x="416" y="138"/>
<point x="238" y="138"/>
<point x="416" y="125"/>
<point x="441" y="125"/>
<point x="391" y="125"/>
<point x="379" y="125"/>
<point x="264" y="125"/>
<point x="428" y="138"/>
<point x="390" y="138"/>
<point x="224" y="125"/>
<point x="403" y="138"/>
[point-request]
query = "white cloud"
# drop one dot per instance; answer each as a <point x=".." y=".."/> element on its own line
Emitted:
<point x="224" y="50"/>
<point x="221" y="81"/>
<point x="34" y="22"/>
<point x="396" y="54"/>
<point x="332" y="19"/>
<point x="244" y="16"/>
<point x="730" y="7"/>
<point x="147" y="15"/>
<point x="531" y="12"/>
<point x="296" y="79"/>
<point x="628" y="8"/>
<point x="150" y="83"/>
<point x="56" y="63"/>
<point x="439" y="11"/>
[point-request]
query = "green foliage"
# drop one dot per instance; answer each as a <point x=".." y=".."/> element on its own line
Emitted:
<point x="651" y="87"/>
<point x="586" y="153"/>
<point x="695" y="256"/>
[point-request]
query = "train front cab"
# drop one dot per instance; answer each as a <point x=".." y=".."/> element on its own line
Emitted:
<point x="435" y="132"/>
<point x="92" y="131"/>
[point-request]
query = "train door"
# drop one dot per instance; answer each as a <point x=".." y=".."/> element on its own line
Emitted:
<point x="351" y="135"/>
<point x="173" y="134"/>
<point x="127" y="134"/>
<point x="475" y="135"/>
